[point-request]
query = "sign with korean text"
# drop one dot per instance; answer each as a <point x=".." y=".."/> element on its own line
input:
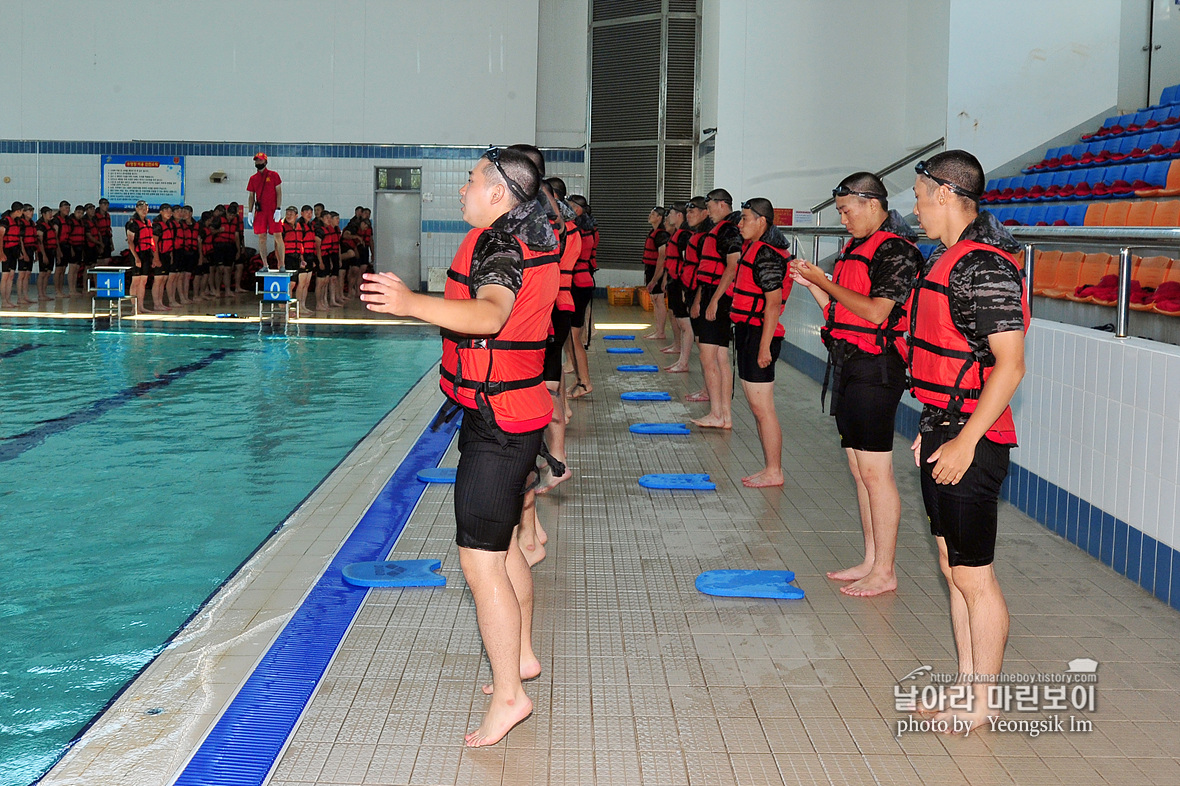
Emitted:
<point x="155" y="179"/>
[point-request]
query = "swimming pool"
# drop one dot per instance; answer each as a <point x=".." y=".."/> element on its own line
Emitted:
<point x="137" y="471"/>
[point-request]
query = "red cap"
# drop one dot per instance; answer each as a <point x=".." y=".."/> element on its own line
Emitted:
<point x="260" y="156"/>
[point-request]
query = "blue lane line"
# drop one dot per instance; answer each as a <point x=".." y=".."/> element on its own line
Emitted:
<point x="9" y="353"/>
<point x="14" y="446"/>
<point x="246" y="741"/>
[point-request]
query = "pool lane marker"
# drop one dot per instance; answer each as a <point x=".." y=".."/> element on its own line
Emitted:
<point x="245" y="743"/>
<point x="23" y="348"/>
<point x="14" y="446"/>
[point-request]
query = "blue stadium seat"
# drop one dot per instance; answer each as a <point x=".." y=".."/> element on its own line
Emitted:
<point x="1053" y="214"/>
<point x="1060" y="178"/>
<point x="1103" y="181"/>
<point x="1075" y="215"/>
<point x="1155" y="175"/>
<point x="1034" y="215"/>
<point x="1143" y="143"/>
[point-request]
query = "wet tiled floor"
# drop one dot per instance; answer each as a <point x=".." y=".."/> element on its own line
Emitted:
<point x="645" y="680"/>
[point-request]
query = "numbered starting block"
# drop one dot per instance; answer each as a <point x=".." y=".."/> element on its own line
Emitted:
<point x="109" y="285"/>
<point x="275" y="288"/>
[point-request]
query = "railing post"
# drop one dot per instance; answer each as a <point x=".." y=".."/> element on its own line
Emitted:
<point x="815" y="250"/>
<point x="1123" y="307"/>
<point x="1029" y="262"/>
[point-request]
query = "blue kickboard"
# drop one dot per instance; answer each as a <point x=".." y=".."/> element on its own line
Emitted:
<point x="678" y="481"/>
<point x="646" y="395"/>
<point x="659" y="428"/>
<point x="639" y="367"/>
<point x="749" y="584"/>
<point x="399" y="573"/>
<point x="619" y="337"/>
<point x="437" y="475"/>
<point x="624" y="350"/>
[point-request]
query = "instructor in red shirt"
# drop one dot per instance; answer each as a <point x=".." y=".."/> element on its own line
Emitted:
<point x="266" y="194"/>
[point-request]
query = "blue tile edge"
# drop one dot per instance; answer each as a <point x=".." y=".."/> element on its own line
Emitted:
<point x="272" y="149"/>
<point x="1114" y="542"/>
<point x="247" y="739"/>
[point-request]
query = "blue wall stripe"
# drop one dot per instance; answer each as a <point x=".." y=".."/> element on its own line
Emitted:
<point x="1115" y="543"/>
<point x="275" y="150"/>
<point x="458" y="227"/>
<point x="245" y="742"/>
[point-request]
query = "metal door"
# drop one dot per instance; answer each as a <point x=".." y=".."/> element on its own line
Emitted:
<point x="1165" y="47"/>
<point x="397" y="235"/>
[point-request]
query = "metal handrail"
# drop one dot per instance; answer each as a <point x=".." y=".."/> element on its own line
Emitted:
<point x="889" y="170"/>
<point x="1126" y="238"/>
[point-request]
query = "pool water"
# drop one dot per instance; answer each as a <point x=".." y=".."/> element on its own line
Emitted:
<point x="137" y="471"/>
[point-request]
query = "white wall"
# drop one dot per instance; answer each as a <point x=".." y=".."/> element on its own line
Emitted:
<point x="808" y="92"/>
<point x="378" y="71"/>
<point x="1021" y="72"/>
<point x="562" y="81"/>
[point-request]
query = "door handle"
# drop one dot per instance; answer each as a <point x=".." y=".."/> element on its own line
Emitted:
<point x="1157" y="47"/>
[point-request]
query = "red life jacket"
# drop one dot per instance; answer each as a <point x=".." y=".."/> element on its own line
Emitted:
<point x="570" y="254"/>
<point x="502" y="376"/>
<point x="366" y="235"/>
<point x="29" y="229"/>
<point x="330" y="241"/>
<point x="49" y="233"/>
<point x="102" y="223"/>
<point x="143" y="236"/>
<point x="712" y="265"/>
<point x="224" y="234"/>
<point x="12" y="232"/>
<point x="292" y="238"/>
<point x="188" y="231"/>
<point x="651" y="253"/>
<point x="749" y="299"/>
<point x="77" y="231"/>
<point x="691" y="260"/>
<point x="672" y="254"/>
<point x="91" y="233"/>
<point x="166" y="235"/>
<point x="945" y="373"/>
<point x="586" y="265"/>
<point x="206" y="238"/>
<point x="852" y="272"/>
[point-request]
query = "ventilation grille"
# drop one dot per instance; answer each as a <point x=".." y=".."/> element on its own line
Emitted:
<point x="618" y="9"/>
<point x="625" y="87"/>
<point x="682" y="6"/>
<point x="682" y="54"/>
<point x="622" y="193"/>
<point x="677" y="174"/>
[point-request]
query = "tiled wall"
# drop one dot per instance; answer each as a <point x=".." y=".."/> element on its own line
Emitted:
<point x="1098" y="420"/>
<point x="340" y="176"/>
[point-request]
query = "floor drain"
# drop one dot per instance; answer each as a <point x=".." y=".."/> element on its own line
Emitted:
<point x="155" y="710"/>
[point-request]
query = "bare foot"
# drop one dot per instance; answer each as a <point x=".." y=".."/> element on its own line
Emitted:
<point x="24" y="301"/>
<point x="656" y="337"/>
<point x="500" y="719"/>
<point x="677" y="368"/>
<point x="581" y="390"/>
<point x="870" y="585"/>
<point x="763" y="479"/>
<point x="854" y="573"/>
<point x="700" y="395"/>
<point x="671" y="350"/>
<point x="711" y="422"/>
<point x="529" y="670"/>
<point x="6" y="304"/>
<point x="553" y="481"/>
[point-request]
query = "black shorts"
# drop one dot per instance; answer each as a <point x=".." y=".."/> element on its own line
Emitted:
<point x="719" y="332"/>
<point x="25" y="265"/>
<point x="90" y="257"/>
<point x="965" y="514"/>
<point x="224" y="255"/>
<point x="141" y="266"/>
<point x="294" y="262"/>
<point x="362" y="257"/>
<point x="108" y="246"/>
<point x="582" y="298"/>
<point x="746" y="341"/>
<point x="11" y="257"/>
<point x="649" y="272"/>
<point x="48" y="261"/>
<point x="332" y="262"/>
<point x="561" y="331"/>
<point x="166" y="263"/>
<point x="489" y="484"/>
<point x="866" y="398"/>
<point x="676" y="293"/>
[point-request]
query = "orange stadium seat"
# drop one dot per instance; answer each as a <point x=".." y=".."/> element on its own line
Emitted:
<point x="1095" y="214"/>
<point x="1094" y="267"/>
<point x="1045" y="270"/>
<point x="1171" y="188"/>
<point x="1069" y="270"/>
<point x="1152" y="272"/>
<point x="1116" y="214"/>
<point x="1167" y="214"/>
<point x="1140" y="214"/>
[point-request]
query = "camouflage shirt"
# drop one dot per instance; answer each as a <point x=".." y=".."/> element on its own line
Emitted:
<point x="769" y="267"/>
<point x="497" y="258"/>
<point x="985" y="295"/>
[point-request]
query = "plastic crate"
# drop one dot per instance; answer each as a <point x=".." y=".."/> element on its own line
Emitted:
<point x="620" y="296"/>
<point x="645" y="299"/>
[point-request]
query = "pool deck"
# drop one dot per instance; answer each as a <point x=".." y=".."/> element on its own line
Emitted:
<point x="645" y="680"/>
